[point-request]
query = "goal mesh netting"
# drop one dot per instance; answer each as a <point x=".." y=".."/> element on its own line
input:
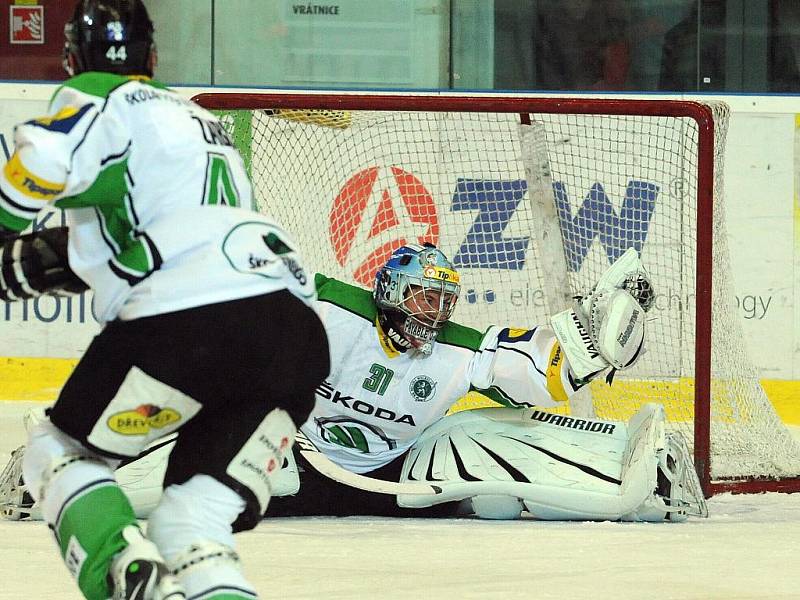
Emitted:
<point x="532" y="199"/>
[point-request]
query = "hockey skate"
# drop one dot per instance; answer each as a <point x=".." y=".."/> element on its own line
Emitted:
<point x="139" y="572"/>
<point x="15" y="501"/>
<point x="678" y="485"/>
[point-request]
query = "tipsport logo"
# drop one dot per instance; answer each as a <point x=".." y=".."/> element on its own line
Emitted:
<point x="380" y="209"/>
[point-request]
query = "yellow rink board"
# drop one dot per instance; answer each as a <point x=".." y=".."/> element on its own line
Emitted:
<point x="40" y="379"/>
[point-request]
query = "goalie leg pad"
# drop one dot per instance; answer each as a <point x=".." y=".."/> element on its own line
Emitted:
<point x="678" y="492"/>
<point x="15" y="501"/>
<point x="501" y="508"/>
<point x="519" y="454"/>
<point x="561" y="468"/>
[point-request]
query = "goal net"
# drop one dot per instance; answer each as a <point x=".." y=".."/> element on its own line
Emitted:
<point x="532" y="199"/>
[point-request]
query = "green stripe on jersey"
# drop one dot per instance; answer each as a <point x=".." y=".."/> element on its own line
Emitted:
<point x="101" y="85"/>
<point x="108" y="189"/>
<point x="360" y="302"/>
<point x="462" y="336"/>
<point x="108" y="195"/>
<point x="348" y="297"/>
<point x="12" y="221"/>
<point x="496" y="395"/>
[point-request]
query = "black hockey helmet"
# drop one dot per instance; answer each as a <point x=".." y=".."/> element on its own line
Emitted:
<point x="114" y="36"/>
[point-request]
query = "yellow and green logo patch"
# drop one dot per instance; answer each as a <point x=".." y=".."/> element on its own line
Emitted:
<point x="142" y="419"/>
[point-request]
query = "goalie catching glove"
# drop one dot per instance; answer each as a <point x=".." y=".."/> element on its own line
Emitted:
<point x="35" y="264"/>
<point x="606" y="328"/>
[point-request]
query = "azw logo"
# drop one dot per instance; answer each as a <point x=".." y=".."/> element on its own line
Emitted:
<point x="378" y="210"/>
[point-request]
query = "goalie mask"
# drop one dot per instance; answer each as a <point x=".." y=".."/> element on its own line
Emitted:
<point x="113" y="36"/>
<point x="416" y="292"/>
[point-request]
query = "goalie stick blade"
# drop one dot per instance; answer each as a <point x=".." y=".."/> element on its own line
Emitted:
<point x="330" y="469"/>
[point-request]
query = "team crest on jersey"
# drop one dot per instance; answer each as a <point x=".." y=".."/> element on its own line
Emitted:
<point x="354" y="434"/>
<point x="261" y="249"/>
<point x="422" y="388"/>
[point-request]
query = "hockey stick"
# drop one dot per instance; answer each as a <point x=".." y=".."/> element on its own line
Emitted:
<point x="330" y="469"/>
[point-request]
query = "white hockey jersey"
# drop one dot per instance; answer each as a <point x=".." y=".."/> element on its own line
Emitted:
<point x="154" y="192"/>
<point x="375" y="403"/>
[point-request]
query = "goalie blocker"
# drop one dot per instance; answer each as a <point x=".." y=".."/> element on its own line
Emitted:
<point x="607" y="327"/>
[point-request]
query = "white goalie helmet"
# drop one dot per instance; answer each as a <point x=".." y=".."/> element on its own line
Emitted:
<point x="416" y="292"/>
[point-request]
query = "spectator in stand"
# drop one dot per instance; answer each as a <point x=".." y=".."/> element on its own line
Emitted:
<point x="582" y="45"/>
<point x="784" y="47"/>
<point x="680" y="69"/>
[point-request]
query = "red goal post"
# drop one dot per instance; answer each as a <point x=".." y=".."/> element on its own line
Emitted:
<point x="533" y="197"/>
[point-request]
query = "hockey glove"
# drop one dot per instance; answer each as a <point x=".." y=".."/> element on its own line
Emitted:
<point x="35" y="264"/>
<point x="606" y="328"/>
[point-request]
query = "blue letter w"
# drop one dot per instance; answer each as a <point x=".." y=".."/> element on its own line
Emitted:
<point x="596" y="217"/>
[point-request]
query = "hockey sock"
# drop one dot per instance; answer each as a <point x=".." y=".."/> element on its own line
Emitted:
<point x="88" y="532"/>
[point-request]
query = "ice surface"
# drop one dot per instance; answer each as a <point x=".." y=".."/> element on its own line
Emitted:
<point x="749" y="548"/>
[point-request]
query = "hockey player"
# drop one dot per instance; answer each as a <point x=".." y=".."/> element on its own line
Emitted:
<point x="399" y="364"/>
<point x="208" y="327"/>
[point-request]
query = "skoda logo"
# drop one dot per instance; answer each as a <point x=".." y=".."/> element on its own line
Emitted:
<point x="422" y="388"/>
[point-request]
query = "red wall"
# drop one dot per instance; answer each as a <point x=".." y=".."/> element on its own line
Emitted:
<point x="35" y="61"/>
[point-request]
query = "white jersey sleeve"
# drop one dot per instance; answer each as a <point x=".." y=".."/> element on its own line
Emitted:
<point x="522" y="368"/>
<point x="57" y="155"/>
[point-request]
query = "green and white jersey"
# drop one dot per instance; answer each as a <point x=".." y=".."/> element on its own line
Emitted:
<point x="156" y="196"/>
<point x="375" y="403"/>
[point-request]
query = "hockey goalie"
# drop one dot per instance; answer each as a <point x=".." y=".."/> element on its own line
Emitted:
<point x="378" y="441"/>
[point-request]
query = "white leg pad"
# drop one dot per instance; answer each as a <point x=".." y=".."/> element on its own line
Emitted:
<point x="200" y="510"/>
<point x="55" y="467"/>
<point x="142" y="480"/>
<point x="560" y="468"/>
